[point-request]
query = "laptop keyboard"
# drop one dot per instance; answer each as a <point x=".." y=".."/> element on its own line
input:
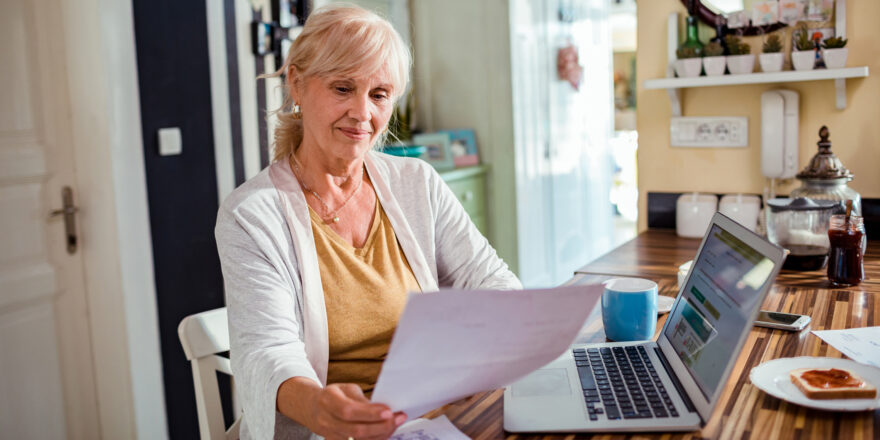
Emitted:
<point x="621" y="382"/>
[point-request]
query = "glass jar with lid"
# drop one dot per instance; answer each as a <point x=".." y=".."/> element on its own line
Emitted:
<point x="801" y="226"/>
<point x="825" y="177"/>
<point x="846" y="235"/>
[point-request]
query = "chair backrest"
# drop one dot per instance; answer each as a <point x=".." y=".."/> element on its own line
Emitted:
<point x="202" y="336"/>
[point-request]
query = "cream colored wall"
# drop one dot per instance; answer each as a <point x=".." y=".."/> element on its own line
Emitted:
<point x="855" y="131"/>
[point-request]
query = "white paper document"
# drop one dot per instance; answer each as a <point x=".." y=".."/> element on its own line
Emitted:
<point x="429" y="429"/>
<point x="859" y="344"/>
<point x="451" y="344"/>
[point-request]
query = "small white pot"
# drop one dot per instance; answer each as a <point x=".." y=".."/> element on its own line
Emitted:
<point x="741" y="64"/>
<point x="688" y="67"/>
<point x="678" y="65"/>
<point x="771" y="62"/>
<point x="835" y="58"/>
<point x="803" y="60"/>
<point x="714" y="66"/>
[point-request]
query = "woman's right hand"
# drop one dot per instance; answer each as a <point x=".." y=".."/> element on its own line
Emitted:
<point x="341" y="411"/>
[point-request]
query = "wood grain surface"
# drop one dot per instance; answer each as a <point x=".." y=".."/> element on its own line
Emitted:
<point x="744" y="412"/>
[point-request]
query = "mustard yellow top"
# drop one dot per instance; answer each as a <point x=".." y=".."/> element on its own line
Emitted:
<point x="365" y="291"/>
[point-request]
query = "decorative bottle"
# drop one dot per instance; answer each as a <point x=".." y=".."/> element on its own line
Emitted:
<point x="692" y="38"/>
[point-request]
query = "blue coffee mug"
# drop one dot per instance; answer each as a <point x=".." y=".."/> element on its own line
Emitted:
<point x="629" y="309"/>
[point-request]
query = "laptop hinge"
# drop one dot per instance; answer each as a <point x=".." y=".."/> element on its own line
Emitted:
<point x="674" y="379"/>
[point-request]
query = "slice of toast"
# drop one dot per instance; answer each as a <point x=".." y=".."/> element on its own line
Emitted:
<point x="840" y="384"/>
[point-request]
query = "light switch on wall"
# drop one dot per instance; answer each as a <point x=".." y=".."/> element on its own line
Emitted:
<point x="170" y="142"/>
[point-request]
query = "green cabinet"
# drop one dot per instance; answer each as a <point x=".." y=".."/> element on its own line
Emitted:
<point x="469" y="186"/>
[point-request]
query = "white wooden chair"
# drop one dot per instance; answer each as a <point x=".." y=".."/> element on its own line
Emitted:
<point x="203" y="335"/>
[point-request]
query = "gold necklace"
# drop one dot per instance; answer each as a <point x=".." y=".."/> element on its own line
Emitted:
<point x="327" y="214"/>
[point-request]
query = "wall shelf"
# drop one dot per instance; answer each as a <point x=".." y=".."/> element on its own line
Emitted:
<point x="674" y="85"/>
<point x="757" y="78"/>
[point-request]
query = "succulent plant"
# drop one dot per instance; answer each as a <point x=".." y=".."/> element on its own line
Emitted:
<point x="772" y="44"/>
<point x="736" y="46"/>
<point x="803" y="41"/>
<point x="687" y="52"/>
<point x="399" y="129"/>
<point x="713" y="49"/>
<point x="834" y="43"/>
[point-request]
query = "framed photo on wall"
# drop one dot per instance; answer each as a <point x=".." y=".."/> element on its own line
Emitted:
<point x="464" y="147"/>
<point x="439" y="151"/>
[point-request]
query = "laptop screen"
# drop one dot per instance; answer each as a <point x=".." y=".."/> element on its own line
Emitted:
<point x="707" y="322"/>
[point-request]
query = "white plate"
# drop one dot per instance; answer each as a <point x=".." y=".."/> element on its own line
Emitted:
<point x="664" y="304"/>
<point x="772" y="377"/>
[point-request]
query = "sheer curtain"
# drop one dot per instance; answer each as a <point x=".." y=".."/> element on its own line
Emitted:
<point x="564" y="165"/>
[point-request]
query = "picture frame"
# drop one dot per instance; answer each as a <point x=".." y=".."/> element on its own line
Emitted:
<point x="765" y="12"/>
<point x="463" y="144"/>
<point x="439" y="149"/>
<point x="792" y="11"/>
<point x="820" y="10"/>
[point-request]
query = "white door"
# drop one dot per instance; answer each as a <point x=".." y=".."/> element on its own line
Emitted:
<point x="564" y="215"/>
<point x="47" y="384"/>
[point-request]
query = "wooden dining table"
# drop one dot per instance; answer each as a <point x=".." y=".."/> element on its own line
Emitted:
<point x="744" y="411"/>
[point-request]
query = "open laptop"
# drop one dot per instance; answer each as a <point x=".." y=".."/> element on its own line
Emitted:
<point x="675" y="383"/>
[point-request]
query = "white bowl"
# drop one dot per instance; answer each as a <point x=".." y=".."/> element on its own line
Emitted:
<point x="771" y="62"/>
<point x="835" y="58"/>
<point x="741" y="64"/>
<point x="714" y="66"/>
<point x="688" y="67"/>
<point x="683" y="272"/>
<point x="803" y="60"/>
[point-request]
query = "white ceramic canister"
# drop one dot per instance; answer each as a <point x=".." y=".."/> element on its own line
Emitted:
<point x="693" y="214"/>
<point x="742" y="208"/>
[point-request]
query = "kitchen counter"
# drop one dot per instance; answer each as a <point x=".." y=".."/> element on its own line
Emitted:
<point x="744" y="411"/>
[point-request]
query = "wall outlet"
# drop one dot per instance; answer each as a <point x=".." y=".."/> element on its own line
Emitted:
<point x="727" y="131"/>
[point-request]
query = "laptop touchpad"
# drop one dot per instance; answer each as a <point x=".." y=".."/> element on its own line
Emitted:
<point x="544" y="382"/>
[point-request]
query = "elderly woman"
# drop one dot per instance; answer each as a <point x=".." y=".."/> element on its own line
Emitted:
<point x="320" y="249"/>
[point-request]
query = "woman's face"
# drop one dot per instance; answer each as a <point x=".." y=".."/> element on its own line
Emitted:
<point x="344" y="116"/>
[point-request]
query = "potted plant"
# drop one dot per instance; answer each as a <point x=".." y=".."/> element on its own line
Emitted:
<point x="771" y="60"/>
<point x="803" y="58"/>
<point x="398" y="140"/>
<point x="714" y="61"/>
<point x="688" y="64"/>
<point x="398" y="127"/>
<point x="740" y="60"/>
<point x="834" y="52"/>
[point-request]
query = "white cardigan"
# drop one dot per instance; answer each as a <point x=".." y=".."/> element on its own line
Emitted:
<point x="275" y="301"/>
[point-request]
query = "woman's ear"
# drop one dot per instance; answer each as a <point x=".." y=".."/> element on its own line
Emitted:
<point x="294" y="82"/>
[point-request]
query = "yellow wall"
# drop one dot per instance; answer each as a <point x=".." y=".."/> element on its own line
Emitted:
<point x="855" y="131"/>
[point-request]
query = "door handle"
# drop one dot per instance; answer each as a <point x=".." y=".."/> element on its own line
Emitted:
<point x="69" y="211"/>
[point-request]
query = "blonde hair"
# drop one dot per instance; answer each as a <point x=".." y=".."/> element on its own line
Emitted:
<point x="338" y="40"/>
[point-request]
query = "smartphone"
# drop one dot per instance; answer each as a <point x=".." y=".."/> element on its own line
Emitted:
<point x="784" y="321"/>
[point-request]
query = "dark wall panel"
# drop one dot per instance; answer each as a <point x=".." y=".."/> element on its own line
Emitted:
<point x="173" y="75"/>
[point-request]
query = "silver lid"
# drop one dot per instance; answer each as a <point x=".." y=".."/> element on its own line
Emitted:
<point x="824" y="165"/>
